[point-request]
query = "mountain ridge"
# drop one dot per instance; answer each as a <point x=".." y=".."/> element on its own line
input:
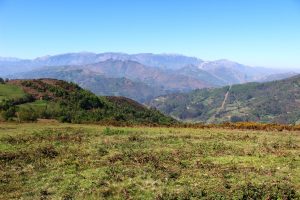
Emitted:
<point x="169" y="61"/>
<point x="146" y="75"/>
<point x="270" y="102"/>
<point x="155" y="81"/>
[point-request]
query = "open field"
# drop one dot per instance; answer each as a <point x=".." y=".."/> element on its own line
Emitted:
<point x="67" y="161"/>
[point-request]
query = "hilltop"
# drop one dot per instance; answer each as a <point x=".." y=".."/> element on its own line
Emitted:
<point x="271" y="102"/>
<point x="27" y="100"/>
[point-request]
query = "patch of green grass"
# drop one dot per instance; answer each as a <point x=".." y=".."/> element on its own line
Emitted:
<point x="65" y="161"/>
<point x="38" y="104"/>
<point x="8" y="91"/>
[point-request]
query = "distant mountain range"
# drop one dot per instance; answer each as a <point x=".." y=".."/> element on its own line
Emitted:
<point x="276" y="101"/>
<point x="137" y="76"/>
<point x="126" y="78"/>
<point x="164" y="61"/>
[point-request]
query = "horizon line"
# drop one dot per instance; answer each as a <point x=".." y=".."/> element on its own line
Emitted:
<point x="130" y="54"/>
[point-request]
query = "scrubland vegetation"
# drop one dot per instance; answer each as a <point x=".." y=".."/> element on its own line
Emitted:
<point x="28" y="100"/>
<point x="69" y="161"/>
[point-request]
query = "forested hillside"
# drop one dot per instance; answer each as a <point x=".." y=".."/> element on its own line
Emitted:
<point x="28" y="100"/>
<point x="277" y="101"/>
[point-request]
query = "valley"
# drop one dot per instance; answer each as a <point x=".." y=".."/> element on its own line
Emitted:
<point x="271" y="102"/>
<point x="149" y="100"/>
<point x="59" y="141"/>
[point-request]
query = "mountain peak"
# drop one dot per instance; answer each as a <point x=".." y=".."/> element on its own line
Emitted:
<point x="42" y="58"/>
<point x="224" y="61"/>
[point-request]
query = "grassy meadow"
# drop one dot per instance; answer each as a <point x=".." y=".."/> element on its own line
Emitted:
<point x="71" y="161"/>
<point x="10" y="91"/>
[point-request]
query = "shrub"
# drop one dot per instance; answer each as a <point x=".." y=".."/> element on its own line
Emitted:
<point x="274" y="191"/>
<point x="236" y="119"/>
<point x="27" y="115"/>
<point x="64" y="118"/>
<point x="9" y="113"/>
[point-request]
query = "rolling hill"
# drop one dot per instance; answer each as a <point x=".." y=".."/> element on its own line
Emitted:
<point x="272" y="102"/>
<point x="26" y="100"/>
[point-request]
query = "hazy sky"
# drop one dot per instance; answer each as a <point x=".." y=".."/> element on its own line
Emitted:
<point x="254" y="32"/>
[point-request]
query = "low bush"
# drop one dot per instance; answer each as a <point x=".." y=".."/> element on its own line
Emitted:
<point x="27" y="115"/>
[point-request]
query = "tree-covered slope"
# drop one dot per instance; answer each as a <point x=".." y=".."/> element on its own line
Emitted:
<point x="67" y="102"/>
<point x="277" y="101"/>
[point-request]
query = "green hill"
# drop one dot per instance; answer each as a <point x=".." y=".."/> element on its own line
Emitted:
<point x="272" y="102"/>
<point x="27" y="100"/>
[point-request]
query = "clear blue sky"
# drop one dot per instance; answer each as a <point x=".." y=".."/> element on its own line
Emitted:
<point x="254" y="32"/>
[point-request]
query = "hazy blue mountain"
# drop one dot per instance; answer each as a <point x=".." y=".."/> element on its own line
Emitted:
<point x="281" y="76"/>
<point x="120" y="78"/>
<point x="166" y="61"/>
<point x="9" y="59"/>
<point x="232" y="72"/>
<point x="200" y="74"/>
<point x="209" y="73"/>
<point x="10" y="66"/>
<point x="149" y="75"/>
